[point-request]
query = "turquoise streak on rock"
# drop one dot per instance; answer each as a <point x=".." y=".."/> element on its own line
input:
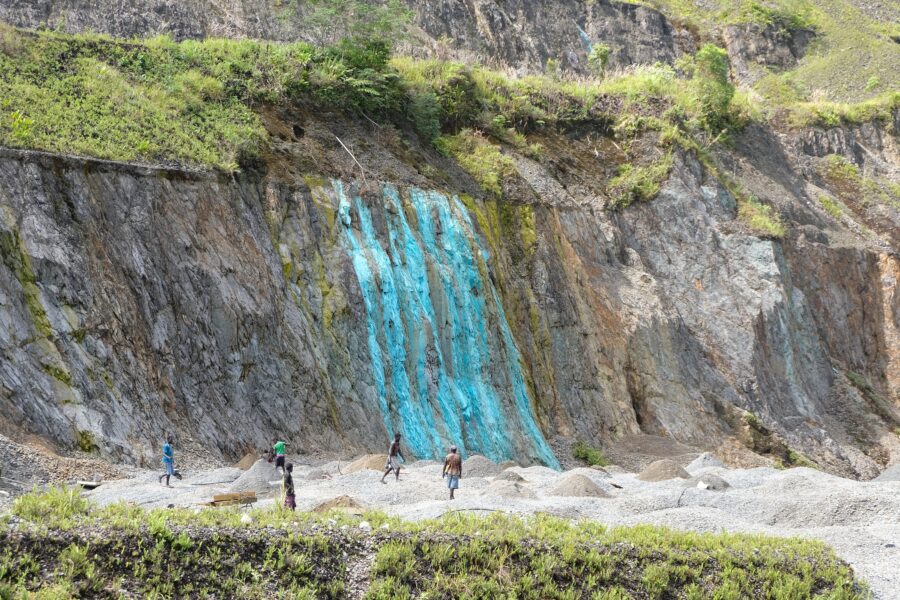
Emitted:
<point x="431" y="319"/>
<point x="585" y="39"/>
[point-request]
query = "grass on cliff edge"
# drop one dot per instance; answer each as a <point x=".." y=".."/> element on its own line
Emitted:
<point x="62" y="546"/>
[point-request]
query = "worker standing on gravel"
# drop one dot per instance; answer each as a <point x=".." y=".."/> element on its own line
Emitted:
<point x="453" y="470"/>
<point x="278" y="447"/>
<point x="394" y="456"/>
<point x="290" y="498"/>
<point x="168" y="460"/>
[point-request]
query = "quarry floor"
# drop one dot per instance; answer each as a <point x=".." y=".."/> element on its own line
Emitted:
<point x="860" y="520"/>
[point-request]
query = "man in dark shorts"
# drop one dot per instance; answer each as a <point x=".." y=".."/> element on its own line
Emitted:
<point x="290" y="499"/>
<point x="453" y="470"/>
<point x="394" y="456"/>
<point x="278" y="447"/>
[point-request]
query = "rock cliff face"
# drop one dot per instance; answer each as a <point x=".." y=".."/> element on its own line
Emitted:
<point x="517" y="34"/>
<point x="310" y="302"/>
<point x="333" y="301"/>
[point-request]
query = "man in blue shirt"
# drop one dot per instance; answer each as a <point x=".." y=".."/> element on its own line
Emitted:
<point x="168" y="460"/>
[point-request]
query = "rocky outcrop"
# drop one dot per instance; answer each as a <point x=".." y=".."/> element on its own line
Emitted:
<point x="754" y="48"/>
<point x="294" y="302"/>
<point x="517" y="34"/>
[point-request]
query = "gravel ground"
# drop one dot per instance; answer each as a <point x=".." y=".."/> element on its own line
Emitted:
<point x="860" y="520"/>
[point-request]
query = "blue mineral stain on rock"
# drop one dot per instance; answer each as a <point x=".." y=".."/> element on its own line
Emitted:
<point x="431" y="316"/>
<point x="585" y="39"/>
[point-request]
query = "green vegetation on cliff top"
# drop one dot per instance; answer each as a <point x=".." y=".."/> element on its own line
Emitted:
<point x="55" y="549"/>
<point x="853" y="57"/>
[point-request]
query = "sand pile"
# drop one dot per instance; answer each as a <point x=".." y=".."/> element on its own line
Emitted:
<point x="507" y="464"/>
<point x="510" y="476"/>
<point x="342" y="503"/>
<point x="479" y="466"/>
<point x="371" y="462"/>
<point x="578" y="486"/>
<point x="509" y="489"/>
<point x="662" y="470"/>
<point x="248" y="461"/>
<point x="257" y="479"/>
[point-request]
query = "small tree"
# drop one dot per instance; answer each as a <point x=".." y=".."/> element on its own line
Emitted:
<point x="598" y="58"/>
<point x="333" y="20"/>
<point x="714" y="88"/>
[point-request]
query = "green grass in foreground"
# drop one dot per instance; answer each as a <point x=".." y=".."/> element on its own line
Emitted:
<point x="65" y="547"/>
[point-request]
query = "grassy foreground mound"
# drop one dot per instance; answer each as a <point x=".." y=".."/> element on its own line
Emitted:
<point x="57" y="545"/>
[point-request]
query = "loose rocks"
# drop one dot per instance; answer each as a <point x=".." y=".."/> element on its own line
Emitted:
<point x="510" y="476"/>
<point x="662" y="470"/>
<point x="257" y="478"/>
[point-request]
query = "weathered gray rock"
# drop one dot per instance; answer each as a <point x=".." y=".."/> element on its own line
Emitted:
<point x="754" y="49"/>
<point x="138" y="301"/>
<point x="520" y="34"/>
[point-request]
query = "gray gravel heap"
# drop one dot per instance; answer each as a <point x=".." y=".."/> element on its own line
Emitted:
<point x="662" y="470"/>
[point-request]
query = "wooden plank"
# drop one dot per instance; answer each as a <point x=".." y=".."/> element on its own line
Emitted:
<point x="234" y="496"/>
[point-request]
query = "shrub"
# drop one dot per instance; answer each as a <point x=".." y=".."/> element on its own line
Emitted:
<point x="714" y="89"/>
<point x="831" y="207"/>
<point x="635" y="183"/>
<point x="598" y="58"/>
<point x="760" y="218"/>
<point x="592" y="456"/>
<point x="483" y="160"/>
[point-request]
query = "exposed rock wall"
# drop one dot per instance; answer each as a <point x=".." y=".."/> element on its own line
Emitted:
<point x="137" y="301"/>
<point x="754" y="48"/>
<point x="516" y="34"/>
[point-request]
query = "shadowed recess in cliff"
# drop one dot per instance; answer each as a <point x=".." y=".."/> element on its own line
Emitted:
<point x="445" y="363"/>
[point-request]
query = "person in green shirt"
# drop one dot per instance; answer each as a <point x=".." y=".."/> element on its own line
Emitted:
<point x="278" y="447"/>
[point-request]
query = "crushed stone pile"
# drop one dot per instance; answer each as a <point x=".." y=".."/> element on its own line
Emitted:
<point x="890" y="474"/>
<point x="510" y="476"/>
<point x="509" y="489"/>
<point x="661" y="470"/>
<point x="704" y="461"/>
<point x="371" y="462"/>
<point x="578" y="486"/>
<point x="508" y="464"/>
<point x="258" y="479"/>
<point x="479" y="466"/>
<point x="316" y="474"/>
<point x="220" y="475"/>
